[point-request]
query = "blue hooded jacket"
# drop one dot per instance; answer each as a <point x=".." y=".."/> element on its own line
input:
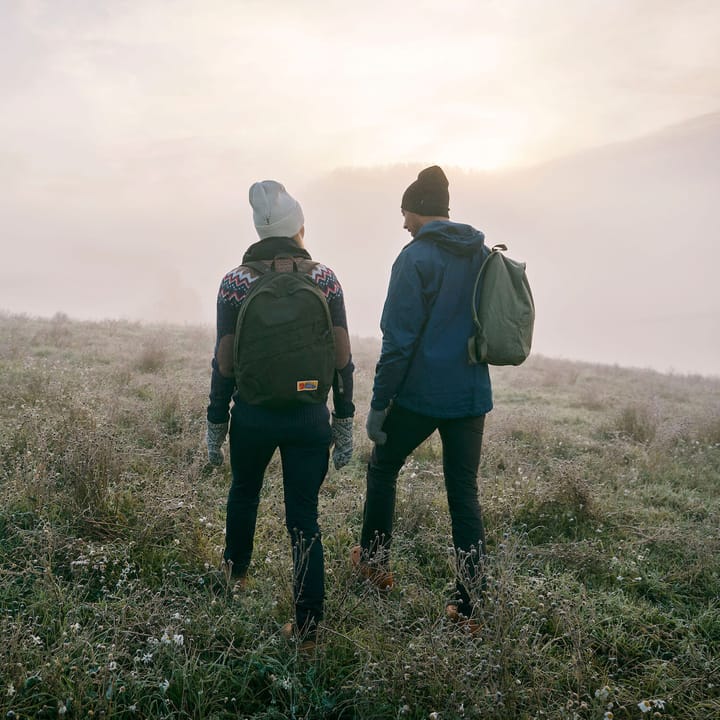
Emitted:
<point x="426" y="323"/>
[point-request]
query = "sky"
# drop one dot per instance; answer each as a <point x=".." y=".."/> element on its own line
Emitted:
<point x="303" y="87"/>
<point x="130" y="130"/>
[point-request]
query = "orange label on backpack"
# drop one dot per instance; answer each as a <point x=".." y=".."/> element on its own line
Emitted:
<point x="305" y="385"/>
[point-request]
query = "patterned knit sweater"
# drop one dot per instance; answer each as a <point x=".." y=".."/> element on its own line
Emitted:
<point x="234" y="288"/>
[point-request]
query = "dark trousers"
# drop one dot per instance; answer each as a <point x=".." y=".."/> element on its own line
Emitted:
<point x="304" y="452"/>
<point x="461" y="444"/>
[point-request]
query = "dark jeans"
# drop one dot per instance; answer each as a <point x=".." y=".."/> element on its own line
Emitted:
<point x="304" y="451"/>
<point x="461" y="443"/>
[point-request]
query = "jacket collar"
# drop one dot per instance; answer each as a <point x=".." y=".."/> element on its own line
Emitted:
<point x="268" y="248"/>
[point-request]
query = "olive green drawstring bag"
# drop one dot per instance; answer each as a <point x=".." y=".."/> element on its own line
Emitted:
<point x="503" y="312"/>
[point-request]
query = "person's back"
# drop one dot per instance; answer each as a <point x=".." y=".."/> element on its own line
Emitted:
<point x="301" y="431"/>
<point x="427" y="309"/>
<point x="423" y="382"/>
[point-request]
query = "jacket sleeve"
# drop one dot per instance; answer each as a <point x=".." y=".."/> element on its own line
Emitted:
<point x="342" y="389"/>
<point x="222" y="387"/>
<point x="221" y="391"/>
<point x="403" y="319"/>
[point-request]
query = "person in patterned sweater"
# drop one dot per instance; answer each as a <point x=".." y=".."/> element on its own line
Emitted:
<point x="303" y="433"/>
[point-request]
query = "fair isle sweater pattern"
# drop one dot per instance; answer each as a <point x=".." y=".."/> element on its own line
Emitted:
<point x="235" y="286"/>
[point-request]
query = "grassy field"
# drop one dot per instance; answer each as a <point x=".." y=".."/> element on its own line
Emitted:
<point x="599" y="487"/>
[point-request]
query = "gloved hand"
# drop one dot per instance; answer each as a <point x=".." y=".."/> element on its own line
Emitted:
<point x="342" y="435"/>
<point x="373" y="426"/>
<point x="215" y="437"/>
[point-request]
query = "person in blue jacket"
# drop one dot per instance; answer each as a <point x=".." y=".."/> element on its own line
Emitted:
<point x="424" y="382"/>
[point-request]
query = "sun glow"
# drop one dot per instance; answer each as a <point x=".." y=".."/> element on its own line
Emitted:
<point x="487" y="154"/>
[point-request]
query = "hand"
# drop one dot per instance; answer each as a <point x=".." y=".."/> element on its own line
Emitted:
<point x="373" y="426"/>
<point x="342" y="434"/>
<point x="215" y="437"/>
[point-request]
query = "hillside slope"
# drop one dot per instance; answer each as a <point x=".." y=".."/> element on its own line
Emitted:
<point x="620" y="241"/>
<point x="599" y="495"/>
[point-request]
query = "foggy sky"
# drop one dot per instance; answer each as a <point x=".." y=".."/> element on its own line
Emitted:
<point x="304" y="87"/>
<point x="131" y="130"/>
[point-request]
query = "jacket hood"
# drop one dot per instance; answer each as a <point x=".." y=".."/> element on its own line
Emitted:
<point x="457" y="238"/>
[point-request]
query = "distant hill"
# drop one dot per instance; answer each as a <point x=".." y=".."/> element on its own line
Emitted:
<point x="621" y="241"/>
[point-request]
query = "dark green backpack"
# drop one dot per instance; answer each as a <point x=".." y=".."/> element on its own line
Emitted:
<point x="284" y="341"/>
<point x="504" y="312"/>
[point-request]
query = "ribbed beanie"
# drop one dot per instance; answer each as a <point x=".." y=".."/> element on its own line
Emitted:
<point x="275" y="212"/>
<point x="429" y="194"/>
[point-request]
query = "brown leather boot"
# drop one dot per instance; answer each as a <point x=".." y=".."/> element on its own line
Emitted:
<point x="464" y="623"/>
<point x="378" y="575"/>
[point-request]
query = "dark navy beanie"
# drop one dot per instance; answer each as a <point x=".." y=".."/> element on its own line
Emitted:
<point x="428" y="195"/>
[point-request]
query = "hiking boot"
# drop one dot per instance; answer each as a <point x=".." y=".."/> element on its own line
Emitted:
<point x="466" y="624"/>
<point x="305" y="645"/>
<point x="220" y="584"/>
<point x="228" y="581"/>
<point x="238" y="583"/>
<point x="378" y="575"/>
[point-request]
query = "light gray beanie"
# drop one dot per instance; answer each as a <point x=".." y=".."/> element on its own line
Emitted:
<point x="275" y="212"/>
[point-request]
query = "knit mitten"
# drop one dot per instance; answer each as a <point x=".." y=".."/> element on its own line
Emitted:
<point x="342" y="433"/>
<point x="215" y="437"/>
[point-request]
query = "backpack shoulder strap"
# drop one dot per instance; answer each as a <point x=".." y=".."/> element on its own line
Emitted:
<point x="258" y="266"/>
<point x="495" y="249"/>
<point x="306" y="265"/>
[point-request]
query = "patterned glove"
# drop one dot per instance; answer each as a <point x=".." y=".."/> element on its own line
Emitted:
<point x="342" y="433"/>
<point x="216" y="433"/>
<point x="375" y="420"/>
